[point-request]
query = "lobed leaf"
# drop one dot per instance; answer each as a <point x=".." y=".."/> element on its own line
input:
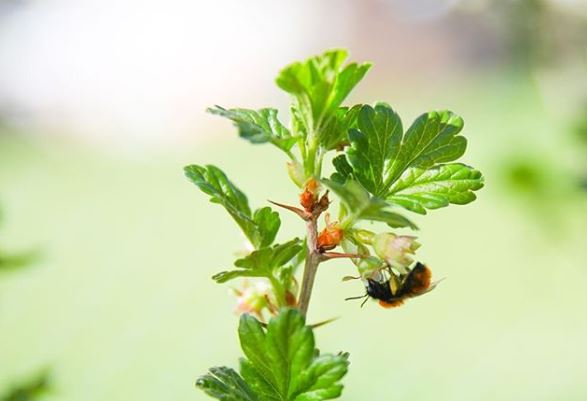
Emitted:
<point x="431" y="139"/>
<point x="258" y="126"/>
<point x="264" y="262"/>
<point x="225" y="384"/>
<point x="374" y="146"/>
<point x="320" y="84"/>
<point x="260" y="228"/>
<point x="282" y="362"/>
<point x="392" y="165"/>
<point x="420" y="189"/>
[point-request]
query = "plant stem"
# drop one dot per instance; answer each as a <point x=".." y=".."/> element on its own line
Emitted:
<point x="311" y="266"/>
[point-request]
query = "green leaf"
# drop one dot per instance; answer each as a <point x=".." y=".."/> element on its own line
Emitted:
<point x="343" y="169"/>
<point x="267" y="224"/>
<point x="320" y="84"/>
<point x="420" y="189"/>
<point x="374" y="145"/>
<point x="432" y="138"/>
<point x="393" y="166"/>
<point x="264" y="262"/>
<point x="334" y="133"/>
<point x="363" y="206"/>
<point x="283" y="364"/>
<point x="225" y="384"/>
<point x="260" y="228"/>
<point x="260" y="126"/>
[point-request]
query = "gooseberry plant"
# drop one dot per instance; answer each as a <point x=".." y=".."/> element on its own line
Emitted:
<point x="379" y="169"/>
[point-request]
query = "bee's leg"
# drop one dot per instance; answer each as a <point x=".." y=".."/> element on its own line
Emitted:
<point x="365" y="301"/>
<point x="359" y="297"/>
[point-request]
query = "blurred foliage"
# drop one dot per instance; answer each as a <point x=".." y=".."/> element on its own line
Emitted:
<point x="15" y="261"/>
<point x="537" y="32"/>
<point x="29" y="390"/>
<point x="34" y="387"/>
<point x="543" y="187"/>
<point x="580" y="131"/>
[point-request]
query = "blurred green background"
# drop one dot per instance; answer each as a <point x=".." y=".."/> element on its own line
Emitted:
<point x="120" y="305"/>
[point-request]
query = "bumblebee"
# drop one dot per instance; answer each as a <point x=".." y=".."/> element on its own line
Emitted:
<point x="391" y="292"/>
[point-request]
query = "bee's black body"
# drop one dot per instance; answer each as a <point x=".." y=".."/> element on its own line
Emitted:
<point x="416" y="282"/>
<point x="378" y="290"/>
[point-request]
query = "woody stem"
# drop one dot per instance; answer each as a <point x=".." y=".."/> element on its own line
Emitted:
<point x="311" y="266"/>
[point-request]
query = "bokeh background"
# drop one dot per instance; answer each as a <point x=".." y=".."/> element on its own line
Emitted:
<point x="102" y="103"/>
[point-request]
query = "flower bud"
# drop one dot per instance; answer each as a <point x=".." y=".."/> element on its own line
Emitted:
<point x="396" y="250"/>
<point x="309" y="197"/>
<point x="364" y="236"/>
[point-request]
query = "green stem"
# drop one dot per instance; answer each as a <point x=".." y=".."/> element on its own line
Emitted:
<point x="310" y="160"/>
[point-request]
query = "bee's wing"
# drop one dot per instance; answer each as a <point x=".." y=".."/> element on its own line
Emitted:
<point x="432" y="286"/>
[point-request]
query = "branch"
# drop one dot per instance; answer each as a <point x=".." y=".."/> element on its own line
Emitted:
<point x="311" y="267"/>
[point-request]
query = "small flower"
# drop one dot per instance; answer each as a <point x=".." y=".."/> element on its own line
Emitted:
<point x="396" y="250"/>
<point x="330" y="237"/>
<point x="252" y="297"/>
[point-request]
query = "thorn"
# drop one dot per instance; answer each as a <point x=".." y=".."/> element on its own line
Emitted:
<point x="337" y="255"/>
<point x="302" y="213"/>
<point x="324" y="322"/>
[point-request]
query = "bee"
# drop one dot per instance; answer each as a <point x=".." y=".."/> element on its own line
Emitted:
<point x="393" y="291"/>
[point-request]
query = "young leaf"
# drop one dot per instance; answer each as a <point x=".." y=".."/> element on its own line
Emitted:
<point x="283" y="364"/>
<point x="226" y="385"/>
<point x="320" y="84"/>
<point x="264" y="262"/>
<point x="363" y="206"/>
<point x="420" y="189"/>
<point x="260" y="126"/>
<point x="260" y="228"/>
